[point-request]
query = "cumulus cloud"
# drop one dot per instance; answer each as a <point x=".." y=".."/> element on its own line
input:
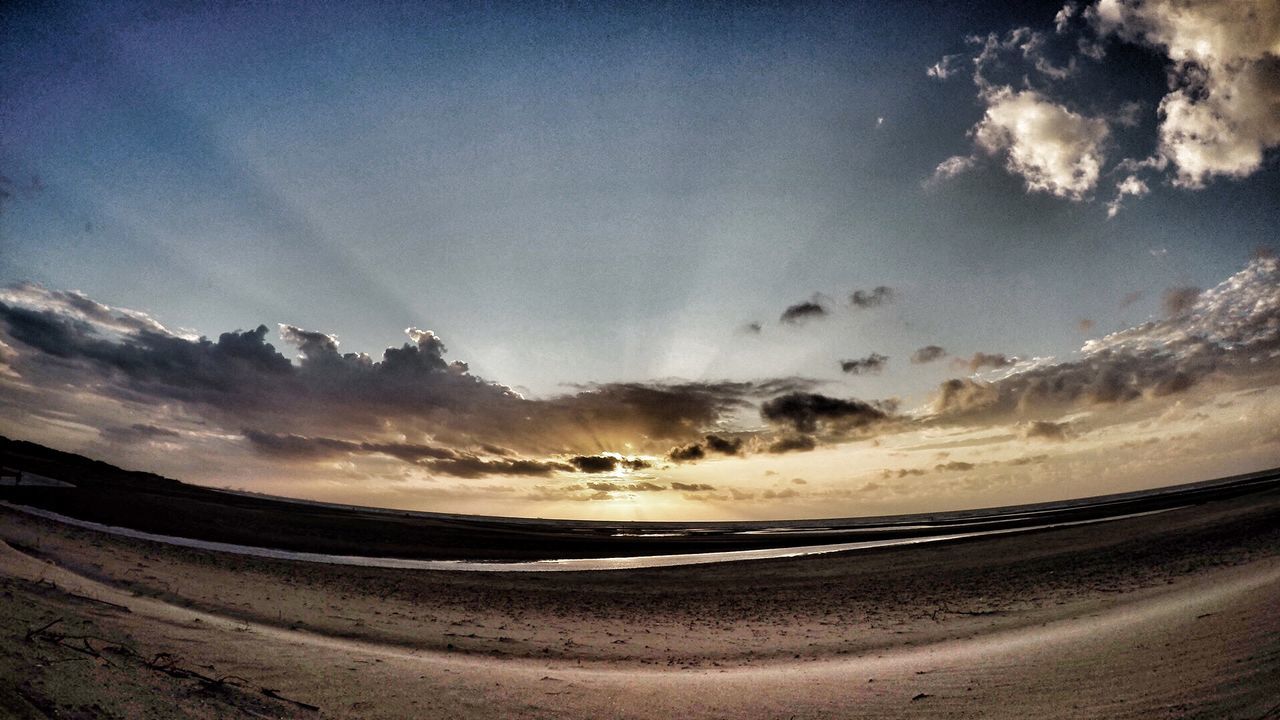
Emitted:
<point x="687" y="453"/>
<point x="59" y="341"/>
<point x="1223" y="111"/>
<point x="928" y="354"/>
<point x="723" y="445"/>
<point x="800" y="312"/>
<point x="872" y="364"/>
<point x="710" y="444"/>
<point x="804" y="412"/>
<point x="864" y="299"/>
<point x="1231" y="329"/>
<point x="1219" y="117"/>
<point x="1055" y="150"/>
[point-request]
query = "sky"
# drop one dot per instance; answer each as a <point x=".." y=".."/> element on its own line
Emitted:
<point x="645" y="261"/>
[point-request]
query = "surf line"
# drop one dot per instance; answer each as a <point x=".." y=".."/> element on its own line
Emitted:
<point x="636" y="562"/>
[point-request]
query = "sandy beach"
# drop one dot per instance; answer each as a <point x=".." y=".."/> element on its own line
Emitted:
<point x="1166" y="615"/>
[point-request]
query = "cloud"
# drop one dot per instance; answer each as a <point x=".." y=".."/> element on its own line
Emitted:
<point x="1231" y="329"/>
<point x="313" y="345"/>
<point x="606" y="463"/>
<point x="1045" y="430"/>
<point x="1130" y="186"/>
<point x="1219" y="117"/>
<point x="792" y="443"/>
<point x="944" y="68"/>
<point x="693" y="452"/>
<point x="723" y="445"/>
<point x="803" y="412"/>
<point x="1223" y="110"/>
<point x="988" y="360"/>
<point x="752" y="328"/>
<point x="241" y="380"/>
<point x="872" y="364"/>
<point x="801" y="312"/>
<point x="1178" y="300"/>
<point x="692" y="487"/>
<point x="1053" y="149"/>
<point x="949" y="168"/>
<point x="875" y="297"/>
<point x="928" y="354"/>
<point x="77" y="306"/>
<point x="136" y="433"/>
<point x="1085" y="325"/>
<point x="780" y="494"/>
<point x="687" y="453"/>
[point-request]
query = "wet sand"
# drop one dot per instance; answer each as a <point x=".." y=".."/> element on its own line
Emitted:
<point x="1168" y="615"/>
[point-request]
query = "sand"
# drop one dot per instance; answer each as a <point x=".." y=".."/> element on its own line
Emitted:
<point x="1170" y="615"/>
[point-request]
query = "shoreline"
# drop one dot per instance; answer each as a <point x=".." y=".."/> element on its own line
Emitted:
<point x="633" y="562"/>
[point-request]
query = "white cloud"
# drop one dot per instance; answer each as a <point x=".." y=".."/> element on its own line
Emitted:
<point x="1131" y="185"/>
<point x="950" y="168"/>
<point x="1062" y="20"/>
<point x="1219" y="118"/>
<point x="944" y="68"/>
<point x="1224" y="111"/>
<point x="1054" y="149"/>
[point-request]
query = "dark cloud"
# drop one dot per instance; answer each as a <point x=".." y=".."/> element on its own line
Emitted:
<point x="752" y="328"/>
<point x="710" y="443"/>
<point x="804" y="411"/>
<point x="723" y="445"/>
<point x="872" y="364"/>
<point x="801" y="312"/>
<point x="594" y="463"/>
<point x="1045" y="430"/>
<point x="956" y="465"/>
<point x="692" y="487"/>
<point x="687" y="453"/>
<point x="441" y="460"/>
<point x="871" y="298"/>
<point x="792" y="443"/>
<point x="928" y="354"/>
<point x="240" y="380"/>
<point x="989" y="360"/>
<point x="136" y="433"/>
<point x="1178" y="300"/>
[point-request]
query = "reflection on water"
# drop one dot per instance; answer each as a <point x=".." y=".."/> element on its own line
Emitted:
<point x="563" y="565"/>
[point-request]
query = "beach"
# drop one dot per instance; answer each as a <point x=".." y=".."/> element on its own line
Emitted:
<point x="1163" y="615"/>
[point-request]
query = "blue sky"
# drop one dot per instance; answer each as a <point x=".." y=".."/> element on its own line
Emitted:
<point x="574" y="195"/>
